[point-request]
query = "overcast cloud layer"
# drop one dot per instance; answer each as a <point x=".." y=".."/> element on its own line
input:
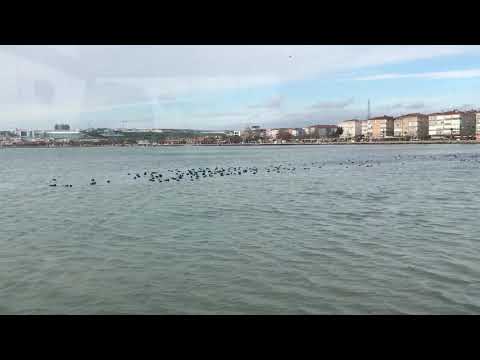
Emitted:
<point x="219" y="87"/>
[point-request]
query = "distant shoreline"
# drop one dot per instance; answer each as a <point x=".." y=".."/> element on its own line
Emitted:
<point x="355" y="143"/>
<point x="29" y="146"/>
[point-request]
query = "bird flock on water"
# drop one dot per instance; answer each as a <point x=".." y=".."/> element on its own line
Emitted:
<point x="196" y="174"/>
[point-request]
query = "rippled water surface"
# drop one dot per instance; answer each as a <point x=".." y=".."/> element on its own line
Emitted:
<point x="365" y="229"/>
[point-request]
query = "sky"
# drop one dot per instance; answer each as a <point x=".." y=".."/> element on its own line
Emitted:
<point x="229" y="87"/>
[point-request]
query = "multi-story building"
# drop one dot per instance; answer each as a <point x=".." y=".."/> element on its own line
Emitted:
<point x="306" y="131"/>
<point x="478" y="126"/>
<point x="412" y="125"/>
<point x="24" y="133"/>
<point x="326" y="130"/>
<point x="381" y="126"/>
<point x="364" y="128"/>
<point x="452" y="124"/>
<point x="295" y="132"/>
<point x="351" y="129"/>
<point x="232" y="132"/>
<point x="321" y="131"/>
<point x="63" y="135"/>
<point x="272" y="133"/>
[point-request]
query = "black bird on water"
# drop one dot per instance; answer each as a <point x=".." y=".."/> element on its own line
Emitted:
<point x="199" y="173"/>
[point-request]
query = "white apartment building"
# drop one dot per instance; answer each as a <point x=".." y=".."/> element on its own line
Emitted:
<point x="412" y="125"/>
<point x="365" y="129"/>
<point x="351" y="129"/>
<point x="25" y="133"/>
<point x="452" y="124"/>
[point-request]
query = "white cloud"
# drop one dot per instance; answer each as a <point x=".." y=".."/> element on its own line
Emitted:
<point x="338" y="104"/>
<point x="85" y="78"/>
<point x="403" y="106"/>
<point x="222" y="114"/>
<point x="184" y="85"/>
<point x="451" y="74"/>
<point x="274" y="103"/>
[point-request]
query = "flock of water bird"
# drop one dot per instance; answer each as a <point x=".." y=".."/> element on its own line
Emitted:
<point x="196" y="174"/>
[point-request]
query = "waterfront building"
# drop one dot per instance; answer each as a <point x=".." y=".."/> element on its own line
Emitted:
<point x="351" y="129"/>
<point x="295" y="132"/>
<point x="232" y="133"/>
<point x="478" y="126"/>
<point x="30" y="135"/>
<point x="24" y="133"/>
<point x="451" y="124"/>
<point x="381" y="127"/>
<point x="272" y="133"/>
<point x="364" y="129"/>
<point x="321" y="131"/>
<point x="63" y="135"/>
<point x="412" y="125"/>
<point x="324" y="131"/>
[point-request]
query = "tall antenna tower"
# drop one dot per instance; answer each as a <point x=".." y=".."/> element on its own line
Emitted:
<point x="368" y="111"/>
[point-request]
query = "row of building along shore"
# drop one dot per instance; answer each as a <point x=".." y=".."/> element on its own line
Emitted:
<point x="459" y="125"/>
<point x="441" y="125"/>
<point x="453" y="124"/>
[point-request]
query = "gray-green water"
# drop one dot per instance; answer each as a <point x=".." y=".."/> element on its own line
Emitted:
<point x="398" y="236"/>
